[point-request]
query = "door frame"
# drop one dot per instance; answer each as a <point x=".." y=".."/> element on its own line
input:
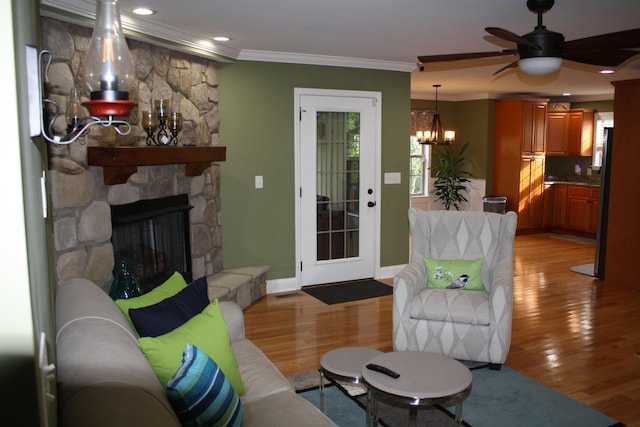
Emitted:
<point x="376" y="98"/>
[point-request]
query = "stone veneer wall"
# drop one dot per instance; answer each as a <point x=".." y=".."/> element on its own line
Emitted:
<point x="80" y="202"/>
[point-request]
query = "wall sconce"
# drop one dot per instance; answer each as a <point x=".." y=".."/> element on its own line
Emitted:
<point x="164" y="122"/>
<point x="435" y="133"/>
<point x="107" y="72"/>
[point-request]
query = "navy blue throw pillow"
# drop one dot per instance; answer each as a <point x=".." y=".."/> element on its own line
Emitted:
<point x="170" y="313"/>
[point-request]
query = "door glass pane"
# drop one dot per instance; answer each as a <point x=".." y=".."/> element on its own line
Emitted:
<point x="338" y="185"/>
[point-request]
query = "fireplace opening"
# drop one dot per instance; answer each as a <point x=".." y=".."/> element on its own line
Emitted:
<point x="152" y="236"/>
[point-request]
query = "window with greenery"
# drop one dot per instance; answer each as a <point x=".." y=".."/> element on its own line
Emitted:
<point x="419" y="154"/>
<point x="418" y="167"/>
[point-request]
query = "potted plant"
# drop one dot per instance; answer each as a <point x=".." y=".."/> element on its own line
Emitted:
<point x="451" y="176"/>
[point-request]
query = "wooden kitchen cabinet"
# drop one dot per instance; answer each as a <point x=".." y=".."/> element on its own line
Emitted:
<point x="533" y="127"/>
<point x="548" y="200"/>
<point x="531" y="214"/>
<point x="560" y="206"/>
<point x="519" y="158"/>
<point x="556" y="134"/>
<point x="570" y="133"/>
<point x="582" y="208"/>
<point x="581" y="132"/>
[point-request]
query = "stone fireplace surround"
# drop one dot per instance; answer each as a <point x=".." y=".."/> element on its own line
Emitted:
<point x="80" y="201"/>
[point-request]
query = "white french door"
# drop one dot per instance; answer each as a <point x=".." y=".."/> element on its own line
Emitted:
<point x="337" y="147"/>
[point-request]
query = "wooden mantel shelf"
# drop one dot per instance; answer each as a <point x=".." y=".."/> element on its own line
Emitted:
<point x="119" y="163"/>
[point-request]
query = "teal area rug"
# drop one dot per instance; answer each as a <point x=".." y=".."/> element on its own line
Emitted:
<point x="498" y="399"/>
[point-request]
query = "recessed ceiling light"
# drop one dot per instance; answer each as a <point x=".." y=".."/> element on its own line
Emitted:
<point x="222" y="38"/>
<point x="607" y="71"/>
<point x="144" y="11"/>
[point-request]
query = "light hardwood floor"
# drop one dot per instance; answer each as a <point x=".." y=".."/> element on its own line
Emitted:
<point x="571" y="332"/>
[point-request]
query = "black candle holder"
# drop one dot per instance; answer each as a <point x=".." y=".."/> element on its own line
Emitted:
<point x="161" y="126"/>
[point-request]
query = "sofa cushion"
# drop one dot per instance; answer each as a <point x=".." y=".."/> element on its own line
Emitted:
<point x="168" y="314"/>
<point x="200" y="393"/>
<point x="208" y="332"/>
<point x="259" y="374"/>
<point x="454" y="273"/>
<point x="284" y="409"/>
<point x="451" y="305"/>
<point x="169" y="288"/>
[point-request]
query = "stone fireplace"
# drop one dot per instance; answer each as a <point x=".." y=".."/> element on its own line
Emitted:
<point x="80" y="199"/>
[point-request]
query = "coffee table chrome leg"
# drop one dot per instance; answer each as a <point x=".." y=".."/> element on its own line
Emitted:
<point x="458" y="416"/>
<point x="413" y="416"/>
<point x="321" y="390"/>
<point x="372" y="410"/>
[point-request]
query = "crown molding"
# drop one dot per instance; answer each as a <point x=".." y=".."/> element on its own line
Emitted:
<point x="331" y="61"/>
<point x="141" y="29"/>
<point x="173" y="38"/>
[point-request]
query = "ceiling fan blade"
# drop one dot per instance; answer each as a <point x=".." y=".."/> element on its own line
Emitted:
<point x="627" y="39"/>
<point x="460" y="56"/>
<point x="510" y="36"/>
<point x="606" y="58"/>
<point x="506" y="67"/>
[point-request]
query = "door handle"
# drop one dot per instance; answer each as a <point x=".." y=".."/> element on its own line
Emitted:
<point x="371" y="204"/>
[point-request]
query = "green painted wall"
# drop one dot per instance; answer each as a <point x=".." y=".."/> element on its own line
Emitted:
<point x="257" y="127"/>
<point x="473" y="122"/>
<point x="603" y="106"/>
<point x="474" y="125"/>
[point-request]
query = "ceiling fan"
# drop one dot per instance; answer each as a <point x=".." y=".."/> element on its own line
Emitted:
<point x="541" y="51"/>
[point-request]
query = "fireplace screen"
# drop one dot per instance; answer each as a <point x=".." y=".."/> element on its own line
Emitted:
<point x="153" y="237"/>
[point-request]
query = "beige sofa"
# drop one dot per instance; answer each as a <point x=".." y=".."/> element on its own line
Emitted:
<point x="104" y="378"/>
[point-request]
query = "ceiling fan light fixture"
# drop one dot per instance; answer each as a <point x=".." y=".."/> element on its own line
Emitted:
<point x="540" y="65"/>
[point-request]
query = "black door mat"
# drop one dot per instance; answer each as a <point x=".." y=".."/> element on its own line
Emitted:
<point x="335" y="293"/>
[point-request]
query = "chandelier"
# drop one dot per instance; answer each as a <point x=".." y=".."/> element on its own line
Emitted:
<point x="435" y="133"/>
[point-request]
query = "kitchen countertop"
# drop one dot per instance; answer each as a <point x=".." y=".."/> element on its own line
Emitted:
<point x="551" y="181"/>
<point x="587" y="182"/>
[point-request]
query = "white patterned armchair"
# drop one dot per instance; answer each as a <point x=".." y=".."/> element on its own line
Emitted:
<point x="463" y="324"/>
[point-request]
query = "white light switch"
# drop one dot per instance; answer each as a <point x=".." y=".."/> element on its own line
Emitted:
<point x="392" y="178"/>
<point x="259" y="182"/>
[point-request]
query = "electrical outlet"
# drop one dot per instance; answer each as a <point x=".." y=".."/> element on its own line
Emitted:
<point x="259" y="181"/>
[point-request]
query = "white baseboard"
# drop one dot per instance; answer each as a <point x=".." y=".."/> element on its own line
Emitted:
<point x="282" y="285"/>
<point x="389" y="271"/>
<point x="289" y="284"/>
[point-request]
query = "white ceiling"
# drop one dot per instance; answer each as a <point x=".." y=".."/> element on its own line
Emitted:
<point x="390" y="34"/>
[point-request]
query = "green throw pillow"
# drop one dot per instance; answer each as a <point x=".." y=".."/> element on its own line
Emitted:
<point x="169" y="288"/>
<point x="454" y="274"/>
<point x="207" y="331"/>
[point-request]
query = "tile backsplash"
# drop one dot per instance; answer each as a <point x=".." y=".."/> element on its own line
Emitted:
<point x="564" y="168"/>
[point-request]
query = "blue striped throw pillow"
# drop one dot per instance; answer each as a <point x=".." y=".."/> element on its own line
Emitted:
<point x="201" y="395"/>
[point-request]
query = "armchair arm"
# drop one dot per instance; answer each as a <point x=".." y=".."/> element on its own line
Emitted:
<point x="407" y="283"/>
<point x="234" y="318"/>
<point x="501" y="309"/>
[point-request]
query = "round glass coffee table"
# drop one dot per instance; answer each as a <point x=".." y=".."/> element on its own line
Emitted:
<point x="426" y="379"/>
<point x="344" y="364"/>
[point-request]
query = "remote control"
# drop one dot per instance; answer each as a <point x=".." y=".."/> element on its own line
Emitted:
<point x="383" y="370"/>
